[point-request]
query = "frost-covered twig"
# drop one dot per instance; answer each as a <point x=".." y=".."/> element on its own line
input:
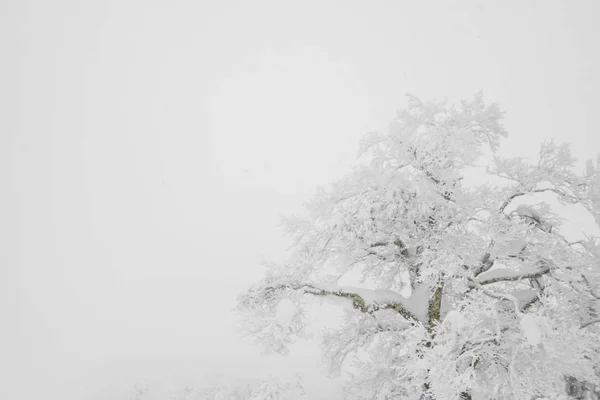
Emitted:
<point x="497" y="296"/>
<point x="570" y="198"/>
<point x="592" y="291"/>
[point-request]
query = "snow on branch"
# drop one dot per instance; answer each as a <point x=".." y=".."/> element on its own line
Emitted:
<point x="562" y="195"/>
<point x="403" y="217"/>
<point x="504" y="275"/>
<point x="367" y="300"/>
<point x="498" y="296"/>
<point x="364" y="300"/>
<point x="526" y="297"/>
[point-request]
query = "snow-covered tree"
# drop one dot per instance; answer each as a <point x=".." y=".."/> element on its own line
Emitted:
<point x="467" y="291"/>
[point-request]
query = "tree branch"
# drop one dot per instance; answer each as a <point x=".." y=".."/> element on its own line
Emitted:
<point x="592" y="322"/>
<point x="497" y="296"/>
<point x="572" y="199"/>
<point x="592" y="291"/>
<point x="486" y="264"/>
<point x="510" y="278"/>
<point x="435" y="306"/>
<point x="358" y="302"/>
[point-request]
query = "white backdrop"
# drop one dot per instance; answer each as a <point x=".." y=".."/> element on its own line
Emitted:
<point x="148" y="148"/>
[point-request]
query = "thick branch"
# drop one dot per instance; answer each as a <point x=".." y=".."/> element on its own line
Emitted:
<point x="358" y="302"/>
<point x="435" y="306"/>
<point x="595" y="321"/>
<point x="513" y="196"/>
<point x="514" y="277"/>
<point x="396" y="242"/>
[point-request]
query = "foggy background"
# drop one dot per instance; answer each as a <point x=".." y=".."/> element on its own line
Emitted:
<point x="149" y="147"/>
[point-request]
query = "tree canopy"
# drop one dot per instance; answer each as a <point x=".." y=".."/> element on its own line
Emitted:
<point x="467" y="291"/>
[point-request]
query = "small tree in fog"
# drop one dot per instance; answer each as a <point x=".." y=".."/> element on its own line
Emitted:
<point x="266" y="389"/>
<point x="467" y="292"/>
<point x="219" y="388"/>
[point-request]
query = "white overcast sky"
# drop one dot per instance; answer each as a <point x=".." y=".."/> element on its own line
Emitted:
<point x="147" y="149"/>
